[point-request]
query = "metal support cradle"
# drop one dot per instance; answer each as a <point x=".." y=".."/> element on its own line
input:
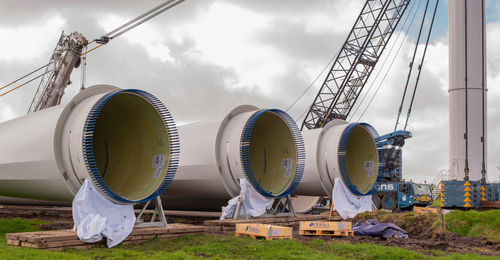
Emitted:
<point x="282" y="207"/>
<point x="158" y="212"/>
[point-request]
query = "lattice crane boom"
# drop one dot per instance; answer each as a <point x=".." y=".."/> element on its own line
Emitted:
<point x="67" y="53"/>
<point x="56" y="78"/>
<point x="355" y="62"/>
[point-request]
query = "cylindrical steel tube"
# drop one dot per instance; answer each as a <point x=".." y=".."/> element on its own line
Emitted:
<point x="467" y="90"/>
<point x="125" y="141"/>
<point x="340" y="149"/>
<point x="262" y="145"/>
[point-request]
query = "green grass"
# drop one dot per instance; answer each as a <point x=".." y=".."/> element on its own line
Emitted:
<point x="18" y="225"/>
<point x="215" y="247"/>
<point x="475" y="223"/>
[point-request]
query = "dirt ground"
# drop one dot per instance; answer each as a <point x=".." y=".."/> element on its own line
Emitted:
<point x="424" y="236"/>
<point x="58" y="217"/>
<point x="450" y="243"/>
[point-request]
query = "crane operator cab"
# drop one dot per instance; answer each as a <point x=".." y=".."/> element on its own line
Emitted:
<point x="423" y="194"/>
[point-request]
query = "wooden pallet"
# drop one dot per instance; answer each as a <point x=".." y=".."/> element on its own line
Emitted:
<point x="265" y="231"/>
<point x="326" y="228"/>
<point x="62" y="239"/>
<point x="336" y="233"/>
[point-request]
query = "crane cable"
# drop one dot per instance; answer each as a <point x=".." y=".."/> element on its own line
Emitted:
<point x="24" y="76"/>
<point x="25" y="83"/>
<point x="83" y="71"/>
<point x="483" y="164"/>
<point x="466" y="135"/>
<point x="313" y="82"/>
<point x="3" y="94"/>
<point x="421" y="64"/>
<point x="389" y="69"/>
<point x="142" y="18"/>
<point x="146" y="16"/>
<point x="310" y="86"/>
<point x="91" y="50"/>
<point x="411" y="65"/>
<point x="387" y="57"/>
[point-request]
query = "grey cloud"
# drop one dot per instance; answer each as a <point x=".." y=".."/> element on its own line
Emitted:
<point x="292" y="39"/>
<point x="293" y="7"/>
<point x="196" y="90"/>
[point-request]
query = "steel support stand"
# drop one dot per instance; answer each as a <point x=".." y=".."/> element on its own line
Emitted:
<point x="282" y="207"/>
<point x="240" y="206"/>
<point x="162" y="220"/>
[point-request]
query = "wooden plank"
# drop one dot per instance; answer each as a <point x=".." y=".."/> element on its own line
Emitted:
<point x="143" y="239"/>
<point x="64" y="243"/>
<point x="148" y="231"/>
<point x="173" y="229"/>
<point x="80" y="244"/>
<point x="31" y="245"/>
<point x="13" y="242"/>
<point x="68" y="238"/>
<point x="147" y="237"/>
<point x="213" y="229"/>
<point x="224" y="228"/>
<point x="182" y="213"/>
<point x="19" y="234"/>
<point x="269" y="220"/>
<point x="26" y="235"/>
<point x="67" y="243"/>
<point x="51" y="236"/>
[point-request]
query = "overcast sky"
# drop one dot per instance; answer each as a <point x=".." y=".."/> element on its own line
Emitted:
<point x="205" y="57"/>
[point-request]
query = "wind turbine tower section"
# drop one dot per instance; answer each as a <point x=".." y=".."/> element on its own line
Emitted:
<point x="467" y="90"/>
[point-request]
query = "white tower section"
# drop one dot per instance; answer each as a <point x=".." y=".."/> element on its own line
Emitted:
<point x="467" y="89"/>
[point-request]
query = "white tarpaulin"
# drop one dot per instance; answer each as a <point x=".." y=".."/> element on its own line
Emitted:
<point x="255" y="204"/>
<point x="347" y="204"/>
<point x="96" y="216"/>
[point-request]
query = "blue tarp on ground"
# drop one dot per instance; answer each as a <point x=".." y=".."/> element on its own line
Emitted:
<point x="373" y="228"/>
